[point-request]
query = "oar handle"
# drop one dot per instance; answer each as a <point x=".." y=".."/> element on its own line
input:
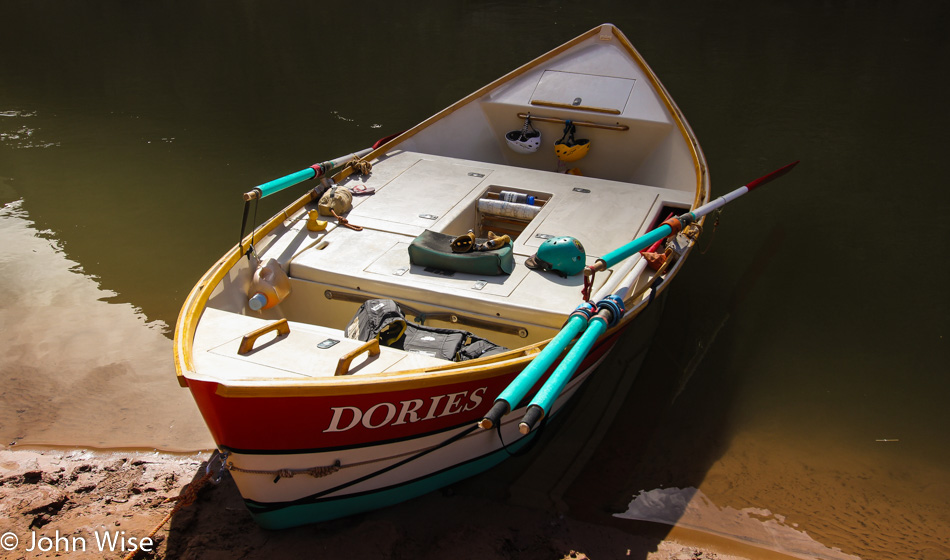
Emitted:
<point x="531" y="418"/>
<point x="499" y="409"/>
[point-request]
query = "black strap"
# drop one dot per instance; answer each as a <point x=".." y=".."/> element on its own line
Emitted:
<point x="568" y="138"/>
<point x="526" y="449"/>
<point x="653" y="286"/>
<point x="449" y="441"/>
<point x="247" y="207"/>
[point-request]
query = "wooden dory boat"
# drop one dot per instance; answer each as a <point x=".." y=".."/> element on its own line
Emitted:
<point x="316" y="424"/>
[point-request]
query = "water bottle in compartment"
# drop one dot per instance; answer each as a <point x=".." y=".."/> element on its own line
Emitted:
<point x="520" y="198"/>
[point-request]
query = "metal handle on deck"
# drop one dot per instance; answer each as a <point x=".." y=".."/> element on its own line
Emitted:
<point x="247" y="343"/>
<point x="343" y="367"/>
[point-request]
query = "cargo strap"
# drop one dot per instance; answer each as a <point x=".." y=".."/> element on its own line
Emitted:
<point x="250" y="247"/>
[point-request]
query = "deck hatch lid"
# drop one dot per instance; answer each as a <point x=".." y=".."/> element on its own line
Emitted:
<point x="605" y="94"/>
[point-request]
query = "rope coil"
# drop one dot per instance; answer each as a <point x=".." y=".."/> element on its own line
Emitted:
<point x="361" y="166"/>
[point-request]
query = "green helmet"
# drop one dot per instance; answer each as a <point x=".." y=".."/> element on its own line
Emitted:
<point x="563" y="255"/>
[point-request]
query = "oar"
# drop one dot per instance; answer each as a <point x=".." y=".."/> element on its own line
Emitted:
<point x="674" y="225"/>
<point x="519" y="387"/>
<point x="316" y="170"/>
<point x="610" y="310"/>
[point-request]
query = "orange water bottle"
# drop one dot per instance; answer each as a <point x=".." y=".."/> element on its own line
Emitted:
<point x="269" y="286"/>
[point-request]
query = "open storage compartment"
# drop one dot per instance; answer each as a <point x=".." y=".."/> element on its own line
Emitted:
<point x="508" y="210"/>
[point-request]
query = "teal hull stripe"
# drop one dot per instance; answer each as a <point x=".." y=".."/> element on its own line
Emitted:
<point x="333" y="508"/>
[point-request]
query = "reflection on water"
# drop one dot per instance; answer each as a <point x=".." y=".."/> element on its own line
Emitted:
<point x="690" y="508"/>
<point x="76" y="370"/>
<point x="16" y="132"/>
<point x="130" y="131"/>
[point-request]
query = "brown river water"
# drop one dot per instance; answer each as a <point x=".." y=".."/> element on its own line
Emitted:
<point x="796" y="391"/>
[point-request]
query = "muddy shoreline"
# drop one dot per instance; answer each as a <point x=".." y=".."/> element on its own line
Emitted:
<point x="85" y="504"/>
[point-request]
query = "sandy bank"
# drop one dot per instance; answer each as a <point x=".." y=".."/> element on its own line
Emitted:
<point x="78" y="502"/>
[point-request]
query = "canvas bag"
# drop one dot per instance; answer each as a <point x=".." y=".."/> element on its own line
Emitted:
<point x="335" y="199"/>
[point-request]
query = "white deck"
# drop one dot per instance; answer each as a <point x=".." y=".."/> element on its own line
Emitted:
<point x="221" y="333"/>
<point x="415" y="192"/>
<point x="425" y="183"/>
<point x="440" y="194"/>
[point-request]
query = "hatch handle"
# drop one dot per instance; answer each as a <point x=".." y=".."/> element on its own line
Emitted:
<point x="247" y="343"/>
<point x="618" y="126"/>
<point x="343" y="367"/>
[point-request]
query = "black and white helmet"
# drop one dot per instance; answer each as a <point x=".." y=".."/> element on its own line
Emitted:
<point x="524" y="141"/>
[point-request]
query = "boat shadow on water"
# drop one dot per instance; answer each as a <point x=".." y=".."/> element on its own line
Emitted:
<point x="559" y="495"/>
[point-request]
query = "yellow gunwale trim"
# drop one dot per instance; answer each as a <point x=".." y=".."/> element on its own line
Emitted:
<point x="197" y="299"/>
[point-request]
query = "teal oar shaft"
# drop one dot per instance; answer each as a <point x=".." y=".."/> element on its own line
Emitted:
<point x="277" y="185"/>
<point x="517" y="389"/>
<point x="637" y="245"/>
<point x="544" y="399"/>
<point x="529" y="376"/>
<point x="315" y="170"/>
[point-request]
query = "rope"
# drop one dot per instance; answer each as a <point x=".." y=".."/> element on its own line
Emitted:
<point x="362" y="166"/>
<point x="588" y="284"/>
<point x="632" y="300"/>
<point x="530" y="445"/>
<point x="315" y="472"/>
<point x="187" y="496"/>
<point x="384" y="470"/>
<point x="326" y="470"/>
<point x="344" y="222"/>
<point x="713" y="237"/>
